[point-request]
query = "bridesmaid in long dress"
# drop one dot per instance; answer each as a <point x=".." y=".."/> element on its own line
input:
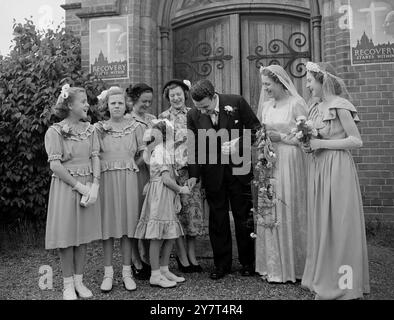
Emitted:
<point x="141" y="97"/>
<point x="281" y="235"/>
<point x="337" y="259"/>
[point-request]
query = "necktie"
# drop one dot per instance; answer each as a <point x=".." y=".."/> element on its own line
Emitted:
<point x="214" y="117"/>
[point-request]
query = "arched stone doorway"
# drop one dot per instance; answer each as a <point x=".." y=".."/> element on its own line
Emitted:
<point x="226" y="41"/>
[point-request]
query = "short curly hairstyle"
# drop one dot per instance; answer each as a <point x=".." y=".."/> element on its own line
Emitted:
<point x="136" y="91"/>
<point x="61" y="109"/>
<point x="172" y="87"/>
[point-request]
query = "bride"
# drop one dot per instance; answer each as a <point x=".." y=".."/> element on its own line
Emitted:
<point x="281" y="230"/>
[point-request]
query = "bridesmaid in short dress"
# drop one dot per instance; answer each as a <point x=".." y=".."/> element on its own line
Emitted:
<point x="73" y="153"/>
<point x="119" y="185"/>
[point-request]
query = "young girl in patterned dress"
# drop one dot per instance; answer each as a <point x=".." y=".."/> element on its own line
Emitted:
<point x="72" y="147"/>
<point x="159" y="222"/>
<point x="119" y="184"/>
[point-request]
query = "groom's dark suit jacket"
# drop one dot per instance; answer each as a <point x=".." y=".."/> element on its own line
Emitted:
<point x="241" y="118"/>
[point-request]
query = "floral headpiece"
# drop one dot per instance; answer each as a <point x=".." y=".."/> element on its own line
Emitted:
<point x="65" y="91"/>
<point x="103" y="95"/>
<point x="314" y="67"/>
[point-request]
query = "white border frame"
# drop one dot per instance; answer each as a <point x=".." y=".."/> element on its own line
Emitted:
<point x="128" y="45"/>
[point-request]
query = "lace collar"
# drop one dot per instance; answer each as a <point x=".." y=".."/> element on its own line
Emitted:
<point x="70" y="132"/>
<point x="104" y="127"/>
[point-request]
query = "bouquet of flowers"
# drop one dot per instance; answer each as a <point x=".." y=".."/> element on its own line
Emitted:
<point x="305" y="131"/>
<point x="264" y="182"/>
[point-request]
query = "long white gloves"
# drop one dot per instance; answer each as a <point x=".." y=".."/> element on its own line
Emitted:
<point x="341" y="144"/>
<point x="93" y="195"/>
<point x="82" y="189"/>
<point x="89" y="193"/>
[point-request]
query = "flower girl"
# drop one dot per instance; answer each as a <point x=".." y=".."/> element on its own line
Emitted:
<point x="158" y="221"/>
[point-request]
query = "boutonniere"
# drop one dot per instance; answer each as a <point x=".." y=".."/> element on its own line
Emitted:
<point x="229" y="109"/>
<point x="66" y="131"/>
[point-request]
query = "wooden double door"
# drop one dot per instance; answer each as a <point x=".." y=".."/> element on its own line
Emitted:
<point x="229" y="50"/>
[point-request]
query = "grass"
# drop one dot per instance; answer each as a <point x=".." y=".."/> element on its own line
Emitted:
<point x="22" y="254"/>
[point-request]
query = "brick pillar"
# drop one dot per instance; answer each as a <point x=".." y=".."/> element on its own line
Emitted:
<point x="372" y="90"/>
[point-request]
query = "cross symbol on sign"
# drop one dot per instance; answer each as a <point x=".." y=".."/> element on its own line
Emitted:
<point x="372" y="11"/>
<point x="108" y="31"/>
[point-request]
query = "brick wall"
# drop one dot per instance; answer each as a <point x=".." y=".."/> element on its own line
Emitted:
<point x="72" y="7"/>
<point x="143" y="35"/>
<point x="372" y="91"/>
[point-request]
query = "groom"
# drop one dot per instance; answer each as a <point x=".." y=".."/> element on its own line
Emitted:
<point x="219" y="113"/>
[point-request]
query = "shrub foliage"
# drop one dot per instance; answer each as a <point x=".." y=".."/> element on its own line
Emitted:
<point x="30" y="82"/>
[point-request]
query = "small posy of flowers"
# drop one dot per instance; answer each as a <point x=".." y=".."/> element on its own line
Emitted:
<point x="107" y="127"/>
<point x="66" y="131"/>
<point x="305" y="130"/>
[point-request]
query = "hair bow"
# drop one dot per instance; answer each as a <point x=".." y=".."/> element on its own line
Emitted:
<point x="65" y="91"/>
<point x="103" y="95"/>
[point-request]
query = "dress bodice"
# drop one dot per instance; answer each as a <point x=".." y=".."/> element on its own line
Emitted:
<point x="283" y="119"/>
<point x="160" y="162"/>
<point x="147" y="122"/>
<point x="326" y="119"/>
<point x="178" y="118"/>
<point x="118" y="147"/>
<point x="73" y="149"/>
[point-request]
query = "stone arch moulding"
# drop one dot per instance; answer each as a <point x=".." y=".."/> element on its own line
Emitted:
<point x="170" y="16"/>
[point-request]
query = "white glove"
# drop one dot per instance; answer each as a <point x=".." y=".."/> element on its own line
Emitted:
<point x="82" y="189"/>
<point x="340" y="144"/>
<point x="184" y="190"/>
<point x="93" y="195"/>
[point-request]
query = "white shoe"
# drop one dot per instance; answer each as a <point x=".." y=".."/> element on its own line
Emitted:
<point x="129" y="283"/>
<point x="80" y="288"/>
<point x="172" y="277"/>
<point x="69" y="293"/>
<point x="106" y="285"/>
<point x="161" y="281"/>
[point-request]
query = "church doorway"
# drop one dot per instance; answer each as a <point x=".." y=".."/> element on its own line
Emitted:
<point x="229" y="49"/>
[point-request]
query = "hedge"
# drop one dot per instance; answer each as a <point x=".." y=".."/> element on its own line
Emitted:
<point x="30" y="82"/>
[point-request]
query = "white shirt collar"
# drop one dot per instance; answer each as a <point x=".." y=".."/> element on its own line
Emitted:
<point x="217" y="103"/>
